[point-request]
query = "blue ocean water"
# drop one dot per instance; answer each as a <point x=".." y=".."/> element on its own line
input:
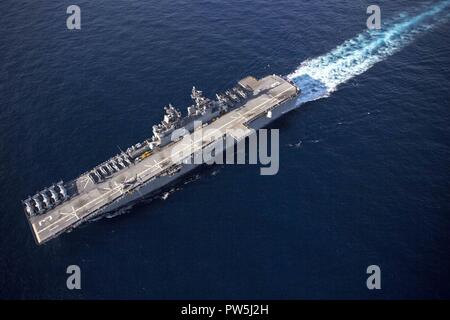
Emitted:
<point x="369" y="183"/>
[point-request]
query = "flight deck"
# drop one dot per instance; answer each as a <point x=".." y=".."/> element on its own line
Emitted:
<point x="92" y="195"/>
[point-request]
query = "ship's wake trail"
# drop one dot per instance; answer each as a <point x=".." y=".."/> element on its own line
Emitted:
<point x="320" y="76"/>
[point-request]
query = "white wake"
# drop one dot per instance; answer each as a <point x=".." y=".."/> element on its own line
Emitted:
<point x="320" y="76"/>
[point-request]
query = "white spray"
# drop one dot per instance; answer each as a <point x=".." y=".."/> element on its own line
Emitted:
<point x="320" y="76"/>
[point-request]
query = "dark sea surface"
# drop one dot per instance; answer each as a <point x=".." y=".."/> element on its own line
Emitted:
<point x="369" y="184"/>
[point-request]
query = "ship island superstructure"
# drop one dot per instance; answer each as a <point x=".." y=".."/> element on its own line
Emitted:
<point x="148" y="166"/>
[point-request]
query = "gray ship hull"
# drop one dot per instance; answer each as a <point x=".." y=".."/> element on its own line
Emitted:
<point x="147" y="168"/>
<point x="157" y="185"/>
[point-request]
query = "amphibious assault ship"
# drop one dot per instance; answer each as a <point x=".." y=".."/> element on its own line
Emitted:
<point x="147" y="167"/>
